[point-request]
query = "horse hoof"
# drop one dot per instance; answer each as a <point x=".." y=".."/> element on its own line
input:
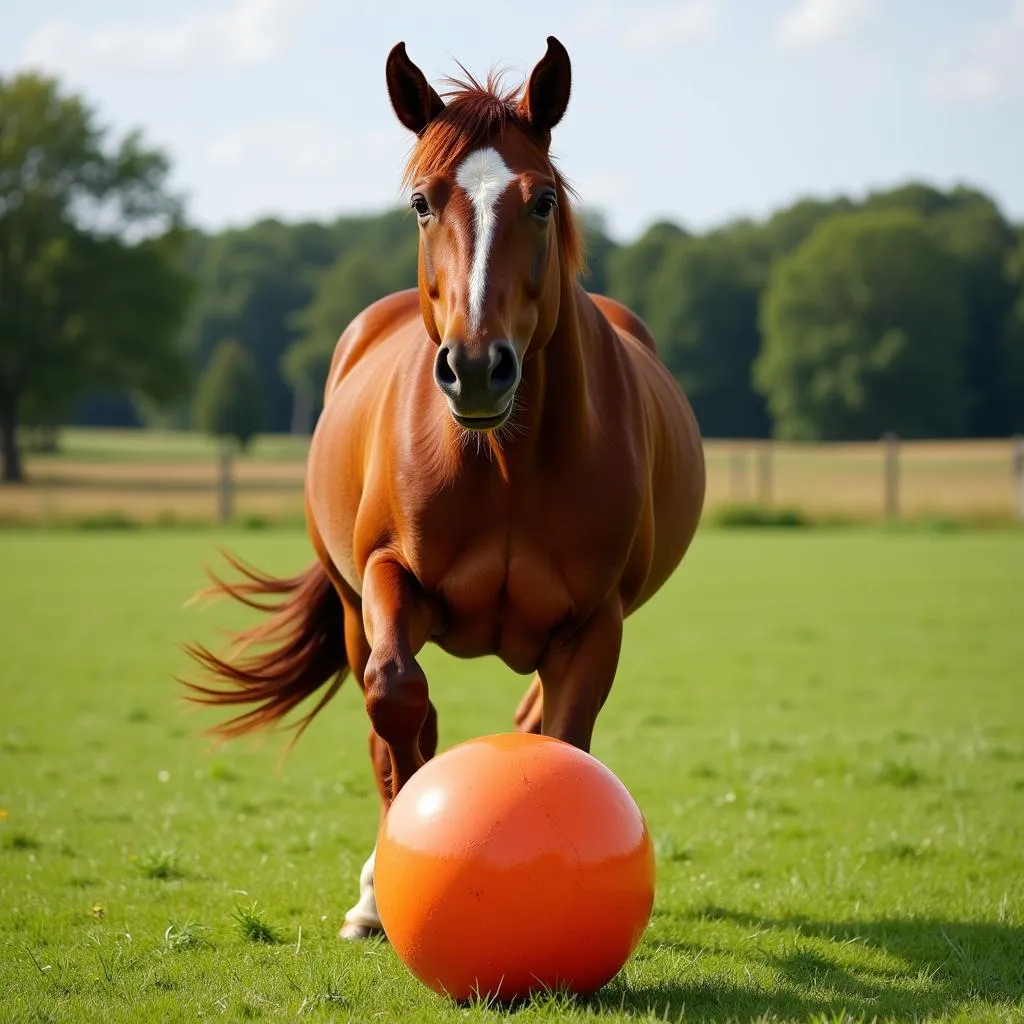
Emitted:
<point x="351" y="932"/>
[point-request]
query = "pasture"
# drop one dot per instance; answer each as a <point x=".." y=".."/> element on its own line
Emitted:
<point x="824" y="729"/>
<point x="172" y="478"/>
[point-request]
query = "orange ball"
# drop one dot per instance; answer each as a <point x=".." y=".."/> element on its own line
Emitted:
<point x="514" y="863"/>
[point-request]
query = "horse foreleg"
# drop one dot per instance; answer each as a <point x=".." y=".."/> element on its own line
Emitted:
<point x="577" y="677"/>
<point x="362" y="920"/>
<point x="397" y="624"/>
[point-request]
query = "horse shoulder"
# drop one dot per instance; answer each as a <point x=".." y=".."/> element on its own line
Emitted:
<point x="347" y="498"/>
<point x="624" y="319"/>
<point x="367" y="328"/>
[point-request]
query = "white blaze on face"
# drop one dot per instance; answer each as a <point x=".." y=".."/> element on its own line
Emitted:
<point x="483" y="176"/>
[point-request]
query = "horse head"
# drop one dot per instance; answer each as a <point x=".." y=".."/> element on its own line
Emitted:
<point x="497" y="236"/>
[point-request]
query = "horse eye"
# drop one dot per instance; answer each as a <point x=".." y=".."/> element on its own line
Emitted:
<point x="420" y="205"/>
<point x="545" y="204"/>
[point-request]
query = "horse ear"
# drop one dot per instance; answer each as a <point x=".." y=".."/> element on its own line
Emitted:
<point x="412" y="97"/>
<point x="547" y="93"/>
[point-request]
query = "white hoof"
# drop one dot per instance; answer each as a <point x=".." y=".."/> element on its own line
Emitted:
<point x="363" y="921"/>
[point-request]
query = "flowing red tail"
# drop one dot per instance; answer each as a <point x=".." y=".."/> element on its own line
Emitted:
<point x="303" y="648"/>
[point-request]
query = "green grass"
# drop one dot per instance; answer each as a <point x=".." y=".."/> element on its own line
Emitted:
<point x="825" y="730"/>
<point x="253" y="925"/>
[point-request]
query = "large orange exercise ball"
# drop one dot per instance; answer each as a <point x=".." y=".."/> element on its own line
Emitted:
<point x="514" y="863"/>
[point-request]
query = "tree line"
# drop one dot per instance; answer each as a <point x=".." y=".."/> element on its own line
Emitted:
<point x="831" y="319"/>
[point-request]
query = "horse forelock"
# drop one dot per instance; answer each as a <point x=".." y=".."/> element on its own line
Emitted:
<point x="476" y="115"/>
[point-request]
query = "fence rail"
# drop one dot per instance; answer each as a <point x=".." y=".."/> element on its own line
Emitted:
<point x="889" y="479"/>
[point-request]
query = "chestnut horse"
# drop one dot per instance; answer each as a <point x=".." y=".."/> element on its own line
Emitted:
<point x="502" y="466"/>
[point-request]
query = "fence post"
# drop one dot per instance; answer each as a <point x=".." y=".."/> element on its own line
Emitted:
<point x="1018" y="475"/>
<point x="765" y="473"/>
<point x="892" y="475"/>
<point x="225" y="486"/>
<point x="738" y="475"/>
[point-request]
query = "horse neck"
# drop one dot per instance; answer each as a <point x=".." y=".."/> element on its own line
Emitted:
<point x="556" y="399"/>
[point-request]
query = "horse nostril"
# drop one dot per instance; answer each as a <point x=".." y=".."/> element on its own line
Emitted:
<point x="443" y="371"/>
<point x="505" y="370"/>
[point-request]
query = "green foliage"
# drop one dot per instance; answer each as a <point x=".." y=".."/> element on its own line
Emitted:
<point x="252" y="282"/>
<point x="704" y="319"/>
<point x="97" y="276"/>
<point x="158" y="863"/>
<point x="20" y="841"/>
<point x="182" y="937"/>
<point x="1013" y="339"/>
<point x="288" y="292"/>
<point x="92" y="291"/>
<point x="599" y="250"/>
<point x="747" y="515"/>
<point x="260" y="284"/>
<point x="632" y="268"/>
<point x="980" y="240"/>
<point x="790" y="227"/>
<point x="866" y="329"/>
<point x="252" y="924"/>
<point x="229" y="400"/>
<point x="354" y="282"/>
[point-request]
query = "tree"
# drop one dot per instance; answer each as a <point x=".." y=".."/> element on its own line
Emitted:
<point x="981" y="243"/>
<point x="704" y="316"/>
<point x="255" y="283"/>
<point x="631" y="269"/>
<point x="865" y="330"/>
<point x="228" y="401"/>
<point x="970" y="227"/>
<point x="252" y="282"/>
<point x="305" y="366"/>
<point x="355" y="281"/>
<point x="1013" y="340"/>
<point x="789" y="227"/>
<point x="599" y="248"/>
<point x="92" y="295"/>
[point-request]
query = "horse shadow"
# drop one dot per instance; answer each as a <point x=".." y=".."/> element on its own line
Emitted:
<point x="948" y="966"/>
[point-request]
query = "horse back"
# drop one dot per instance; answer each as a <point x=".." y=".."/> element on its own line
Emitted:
<point x="675" y="467"/>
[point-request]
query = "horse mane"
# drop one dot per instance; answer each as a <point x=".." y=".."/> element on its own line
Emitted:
<point x="474" y="113"/>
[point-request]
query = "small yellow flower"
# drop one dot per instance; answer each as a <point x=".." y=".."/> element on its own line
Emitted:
<point x="4" y="814"/>
<point x="98" y="911"/>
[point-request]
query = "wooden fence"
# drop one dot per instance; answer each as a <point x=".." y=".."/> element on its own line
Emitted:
<point x="886" y="480"/>
<point x="188" y="481"/>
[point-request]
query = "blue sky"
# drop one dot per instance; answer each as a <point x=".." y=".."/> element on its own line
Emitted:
<point x="697" y="111"/>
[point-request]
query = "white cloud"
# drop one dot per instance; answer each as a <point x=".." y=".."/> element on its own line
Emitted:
<point x="990" y="65"/>
<point x="243" y="33"/>
<point x="812" y="24"/>
<point x="653" y="28"/>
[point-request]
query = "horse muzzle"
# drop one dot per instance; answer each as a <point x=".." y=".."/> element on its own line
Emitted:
<point x="480" y="388"/>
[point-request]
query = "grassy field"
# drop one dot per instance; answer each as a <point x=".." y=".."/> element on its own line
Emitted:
<point x="154" y="476"/>
<point x="824" y="730"/>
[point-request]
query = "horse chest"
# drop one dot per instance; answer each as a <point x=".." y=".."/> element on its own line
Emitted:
<point x="502" y="596"/>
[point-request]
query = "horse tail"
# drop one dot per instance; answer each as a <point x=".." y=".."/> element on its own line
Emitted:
<point x="302" y="648"/>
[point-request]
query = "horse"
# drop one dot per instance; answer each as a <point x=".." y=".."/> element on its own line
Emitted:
<point x="502" y="465"/>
